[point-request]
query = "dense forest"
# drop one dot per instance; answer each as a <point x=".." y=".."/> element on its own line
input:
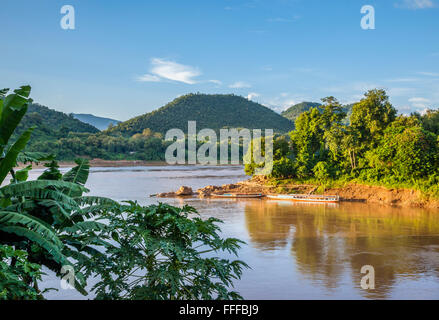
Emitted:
<point x="67" y="137"/>
<point x="296" y="110"/>
<point x="136" y="139"/>
<point x="376" y="146"/>
<point x="214" y="111"/>
<point x="314" y="139"/>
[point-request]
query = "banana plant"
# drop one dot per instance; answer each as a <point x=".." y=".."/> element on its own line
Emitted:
<point x="45" y="217"/>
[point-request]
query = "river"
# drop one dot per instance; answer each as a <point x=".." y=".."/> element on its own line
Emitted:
<point x="296" y="251"/>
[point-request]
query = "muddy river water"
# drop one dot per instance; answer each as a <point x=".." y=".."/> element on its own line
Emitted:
<point x="297" y="251"/>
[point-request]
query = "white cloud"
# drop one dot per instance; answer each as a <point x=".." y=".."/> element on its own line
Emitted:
<point x="217" y="82"/>
<point x="416" y="99"/>
<point x="253" y="95"/>
<point x="148" y="78"/>
<point x="420" y="103"/>
<point x="429" y="74"/>
<point x="284" y="100"/>
<point x="240" y="85"/>
<point x="400" y="91"/>
<point x="415" y="4"/>
<point x="165" y="69"/>
<point x="403" y="80"/>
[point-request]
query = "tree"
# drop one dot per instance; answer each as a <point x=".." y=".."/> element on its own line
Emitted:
<point x="371" y="116"/>
<point x="406" y="151"/>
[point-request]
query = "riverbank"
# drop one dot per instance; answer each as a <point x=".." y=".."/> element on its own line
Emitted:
<point x="106" y="163"/>
<point x="353" y="192"/>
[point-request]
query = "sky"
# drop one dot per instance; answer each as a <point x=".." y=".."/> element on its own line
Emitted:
<point x="125" y="58"/>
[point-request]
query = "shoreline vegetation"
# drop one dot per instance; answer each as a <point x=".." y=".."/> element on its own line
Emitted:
<point x="347" y="191"/>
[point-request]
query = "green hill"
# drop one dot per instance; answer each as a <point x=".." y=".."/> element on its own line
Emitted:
<point x="296" y="110"/>
<point x="98" y="122"/>
<point x="50" y="125"/>
<point x="214" y="111"/>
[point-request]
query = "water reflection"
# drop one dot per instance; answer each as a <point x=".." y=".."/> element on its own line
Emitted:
<point x="330" y="242"/>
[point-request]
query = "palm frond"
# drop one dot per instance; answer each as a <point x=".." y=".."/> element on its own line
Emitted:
<point x="11" y="219"/>
<point x="10" y="159"/>
<point x="27" y="187"/>
<point x="79" y="173"/>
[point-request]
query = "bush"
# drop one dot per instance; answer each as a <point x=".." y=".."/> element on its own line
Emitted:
<point x="161" y="253"/>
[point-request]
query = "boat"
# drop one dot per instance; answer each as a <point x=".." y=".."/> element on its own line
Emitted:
<point x="305" y="198"/>
<point x="237" y="195"/>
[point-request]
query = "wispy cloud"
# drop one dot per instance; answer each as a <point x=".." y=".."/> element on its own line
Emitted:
<point x="253" y="95"/>
<point x="240" y="85"/>
<point x="420" y="104"/>
<point x="284" y="100"/>
<point x="429" y="74"/>
<point x="162" y="69"/>
<point x="418" y="100"/>
<point x="415" y="4"/>
<point x="217" y="82"/>
<point x="281" y="19"/>
<point x="149" y="78"/>
<point x="403" y="80"/>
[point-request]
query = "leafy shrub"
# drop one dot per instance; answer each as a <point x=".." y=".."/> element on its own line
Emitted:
<point x="16" y="275"/>
<point x="160" y="252"/>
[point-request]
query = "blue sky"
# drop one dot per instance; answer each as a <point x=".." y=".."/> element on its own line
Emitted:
<point x="125" y="58"/>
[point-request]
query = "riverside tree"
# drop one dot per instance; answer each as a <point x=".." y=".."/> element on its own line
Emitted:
<point x="373" y="146"/>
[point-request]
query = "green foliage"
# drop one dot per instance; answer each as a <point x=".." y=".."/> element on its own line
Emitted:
<point x="103" y="146"/>
<point x="430" y="120"/>
<point x="371" y="116"/>
<point x="16" y="272"/>
<point x="12" y="109"/>
<point x="374" y="147"/>
<point x="283" y="168"/>
<point x="406" y="151"/>
<point x="321" y="171"/>
<point x="162" y="253"/>
<point x="296" y="110"/>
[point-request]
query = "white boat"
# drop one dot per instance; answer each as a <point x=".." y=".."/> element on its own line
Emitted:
<point x="304" y="198"/>
<point x="237" y="195"/>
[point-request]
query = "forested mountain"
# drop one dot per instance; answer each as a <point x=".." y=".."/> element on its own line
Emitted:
<point x="214" y="111"/>
<point x="293" y="112"/>
<point x="98" y="122"/>
<point x="50" y="124"/>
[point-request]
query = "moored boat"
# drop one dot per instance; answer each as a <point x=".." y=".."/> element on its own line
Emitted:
<point x="237" y="195"/>
<point x="305" y="198"/>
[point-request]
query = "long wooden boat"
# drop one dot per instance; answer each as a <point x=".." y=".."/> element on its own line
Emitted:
<point x="305" y="198"/>
<point x="237" y="195"/>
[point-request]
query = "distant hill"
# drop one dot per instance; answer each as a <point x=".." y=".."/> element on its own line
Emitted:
<point x="51" y="125"/>
<point x="293" y="112"/>
<point x="296" y="110"/>
<point x="214" y="111"/>
<point x="98" y="122"/>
